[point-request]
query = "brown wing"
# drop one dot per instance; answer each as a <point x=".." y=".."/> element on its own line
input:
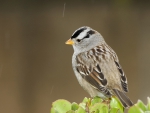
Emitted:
<point x="123" y="78"/>
<point x="92" y="73"/>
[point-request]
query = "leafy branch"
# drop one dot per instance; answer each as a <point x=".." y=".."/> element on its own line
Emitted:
<point x="97" y="105"/>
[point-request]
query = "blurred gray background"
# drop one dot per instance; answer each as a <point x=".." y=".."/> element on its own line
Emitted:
<point x="35" y="63"/>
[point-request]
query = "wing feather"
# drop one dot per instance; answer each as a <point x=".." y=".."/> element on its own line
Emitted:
<point x="123" y="77"/>
<point x="94" y="70"/>
<point x="93" y="73"/>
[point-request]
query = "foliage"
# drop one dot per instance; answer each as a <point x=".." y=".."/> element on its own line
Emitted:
<point x="97" y="105"/>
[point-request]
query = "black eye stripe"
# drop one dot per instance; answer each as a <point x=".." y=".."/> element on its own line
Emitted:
<point x="87" y="36"/>
<point x="78" y="32"/>
<point x="89" y="33"/>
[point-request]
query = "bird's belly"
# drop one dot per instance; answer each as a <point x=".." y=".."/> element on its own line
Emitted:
<point x="89" y="88"/>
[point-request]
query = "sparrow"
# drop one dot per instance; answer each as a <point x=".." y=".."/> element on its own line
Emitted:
<point x="96" y="66"/>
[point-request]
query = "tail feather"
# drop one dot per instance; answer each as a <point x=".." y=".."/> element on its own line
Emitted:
<point x="126" y="102"/>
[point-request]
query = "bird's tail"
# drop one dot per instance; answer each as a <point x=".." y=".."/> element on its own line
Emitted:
<point x="126" y="102"/>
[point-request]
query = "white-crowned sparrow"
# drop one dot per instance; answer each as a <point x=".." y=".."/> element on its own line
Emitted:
<point x="97" y="67"/>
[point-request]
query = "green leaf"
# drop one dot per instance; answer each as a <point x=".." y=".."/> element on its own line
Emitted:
<point x="83" y="105"/>
<point x="115" y="103"/>
<point x="70" y="111"/>
<point x="97" y="111"/>
<point x="119" y="111"/>
<point x="113" y="110"/>
<point x="60" y="106"/>
<point x="148" y="103"/>
<point x="141" y="105"/>
<point x="85" y="100"/>
<point x="104" y="109"/>
<point x="74" y="106"/>
<point x="52" y="110"/>
<point x="80" y="110"/>
<point x="96" y="107"/>
<point x="135" y="109"/>
<point x="96" y="100"/>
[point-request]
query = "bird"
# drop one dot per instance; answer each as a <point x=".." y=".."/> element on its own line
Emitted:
<point x="96" y="66"/>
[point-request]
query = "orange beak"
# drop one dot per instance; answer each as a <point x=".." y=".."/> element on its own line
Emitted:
<point x="70" y="42"/>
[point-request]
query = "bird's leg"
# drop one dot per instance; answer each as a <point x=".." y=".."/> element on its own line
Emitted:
<point x="87" y="105"/>
<point x="87" y="108"/>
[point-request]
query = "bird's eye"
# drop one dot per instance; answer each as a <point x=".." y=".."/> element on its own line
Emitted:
<point x="78" y="40"/>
